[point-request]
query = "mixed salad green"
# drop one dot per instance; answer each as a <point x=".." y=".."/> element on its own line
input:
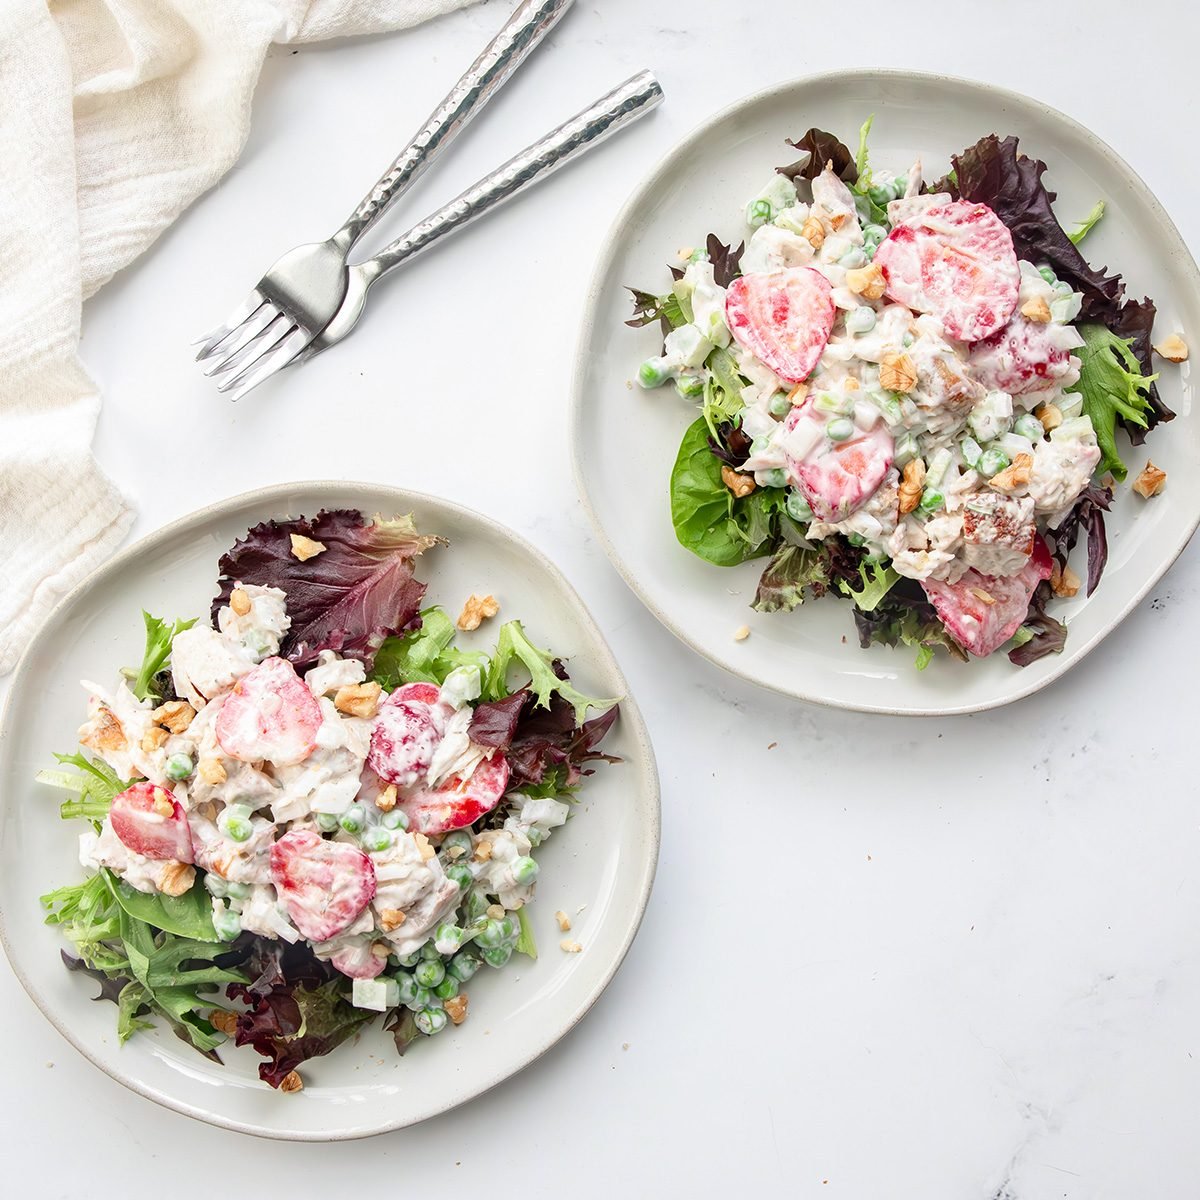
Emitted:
<point x="321" y="807"/>
<point x="909" y="396"/>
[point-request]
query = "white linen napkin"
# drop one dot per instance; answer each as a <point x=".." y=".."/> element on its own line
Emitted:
<point x="114" y="116"/>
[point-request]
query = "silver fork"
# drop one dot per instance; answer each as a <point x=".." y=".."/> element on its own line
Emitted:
<point x="303" y="290"/>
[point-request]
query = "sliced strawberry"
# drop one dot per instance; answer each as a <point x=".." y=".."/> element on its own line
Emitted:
<point x="835" y="477"/>
<point x="148" y="820"/>
<point x="783" y="318"/>
<point x="957" y="262"/>
<point x="983" y="611"/>
<point x="359" y="962"/>
<point x="270" y="715"/>
<point x="323" y="884"/>
<point x="406" y="735"/>
<point x="1024" y="356"/>
<point x="457" y="802"/>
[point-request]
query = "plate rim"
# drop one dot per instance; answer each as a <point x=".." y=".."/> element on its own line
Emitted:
<point x="663" y="168"/>
<point x="321" y="491"/>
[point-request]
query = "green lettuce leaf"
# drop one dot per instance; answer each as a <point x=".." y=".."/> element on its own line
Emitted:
<point x="157" y="655"/>
<point x="709" y="521"/>
<point x="512" y="647"/>
<point x="526" y="943"/>
<point x="1113" y="389"/>
<point x="1088" y="223"/>
<point x="792" y="572"/>
<point x="95" y="785"/>
<point x="877" y="580"/>
<point x="424" y="655"/>
<point x="187" y="916"/>
<point x="906" y="619"/>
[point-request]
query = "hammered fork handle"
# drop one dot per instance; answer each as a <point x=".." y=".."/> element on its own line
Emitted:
<point x="508" y="49"/>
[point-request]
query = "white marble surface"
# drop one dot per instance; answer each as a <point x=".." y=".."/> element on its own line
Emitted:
<point x="966" y="962"/>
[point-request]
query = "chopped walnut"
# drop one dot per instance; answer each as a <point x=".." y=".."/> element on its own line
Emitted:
<point x="477" y="610"/>
<point x="569" y="947"/>
<point x="837" y="220"/>
<point x="104" y="732"/>
<point x="1063" y="581"/>
<point x="291" y="1082"/>
<point x="814" y="231"/>
<point x="1036" y="309"/>
<point x="305" y="548"/>
<point x="564" y="922"/>
<point x="851" y="384"/>
<point x="867" y="282"/>
<point x="176" y="715"/>
<point x="391" y="918"/>
<point x="223" y="1020"/>
<point x="380" y="949"/>
<point x="483" y="851"/>
<point x="1015" y="475"/>
<point x="357" y="699"/>
<point x="212" y="771"/>
<point x="798" y="394"/>
<point x="1050" y="416"/>
<point x="386" y="800"/>
<point x="162" y="803"/>
<point x="154" y="738"/>
<point x="426" y="850"/>
<point x="496" y="912"/>
<point x="239" y="601"/>
<point x="912" y="485"/>
<point x="1151" y="481"/>
<point x="176" y="878"/>
<point x="984" y="597"/>
<point x="740" y="485"/>
<point x="897" y="373"/>
<point x="741" y="633"/>
<point x="456" y="1008"/>
<point x="1173" y="348"/>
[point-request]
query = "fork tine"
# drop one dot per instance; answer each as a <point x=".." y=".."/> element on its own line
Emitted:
<point x="209" y="341"/>
<point x="267" y="364"/>
<point x="225" y="352"/>
<point x="266" y="339"/>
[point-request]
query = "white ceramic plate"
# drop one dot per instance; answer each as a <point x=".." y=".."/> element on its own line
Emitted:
<point x="625" y="439"/>
<point x="604" y="857"/>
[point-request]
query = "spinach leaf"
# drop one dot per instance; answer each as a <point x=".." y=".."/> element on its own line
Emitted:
<point x="187" y="916"/>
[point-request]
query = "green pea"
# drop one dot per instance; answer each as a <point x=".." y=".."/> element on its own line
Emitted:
<point x="497" y="956"/>
<point x="880" y="194"/>
<point x="993" y="461"/>
<point x="779" y="405"/>
<point x="429" y="950"/>
<point x="652" y="373"/>
<point x="422" y="997"/>
<point x="856" y="539"/>
<point x="931" y="500"/>
<point x="524" y="869"/>
<point x="758" y="213"/>
<point x="354" y="819"/>
<point x="459" y="838"/>
<point x="860" y="320"/>
<point x="689" y="386"/>
<point x="377" y="838"/>
<point x="491" y="935"/>
<point x="447" y="989"/>
<point x="447" y="938"/>
<point x="409" y="960"/>
<point x="430" y="972"/>
<point x="510" y="929"/>
<point x="798" y="508"/>
<point x="853" y="259"/>
<point x="234" y="823"/>
<point x="431" y="1021"/>
<point x="775" y="477"/>
<point x="407" y="985"/>
<point x="460" y="874"/>
<point x="1028" y="426"/>
<point x="1048" y="275"/>
<point x="874" y="233"/>
<point x="464" y="965"/>
<point x="216" y="885"/>
<point x="327" y="822"/>
<point x="179" y="766"/>
<point x="226" y="924"/>
<point x="839" y="429"/>
<point x="397" y="818"/>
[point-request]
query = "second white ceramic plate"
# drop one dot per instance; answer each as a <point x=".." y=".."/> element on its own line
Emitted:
<point x="625" y="439"/>
<point x="603" y="858"/>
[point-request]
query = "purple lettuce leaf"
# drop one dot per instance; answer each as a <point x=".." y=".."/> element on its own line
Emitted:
<point x="351" y="596"/>
<point x="1086" y="516"/>
<point x="823" y="148"/>
<point x="1049" y="635"/>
